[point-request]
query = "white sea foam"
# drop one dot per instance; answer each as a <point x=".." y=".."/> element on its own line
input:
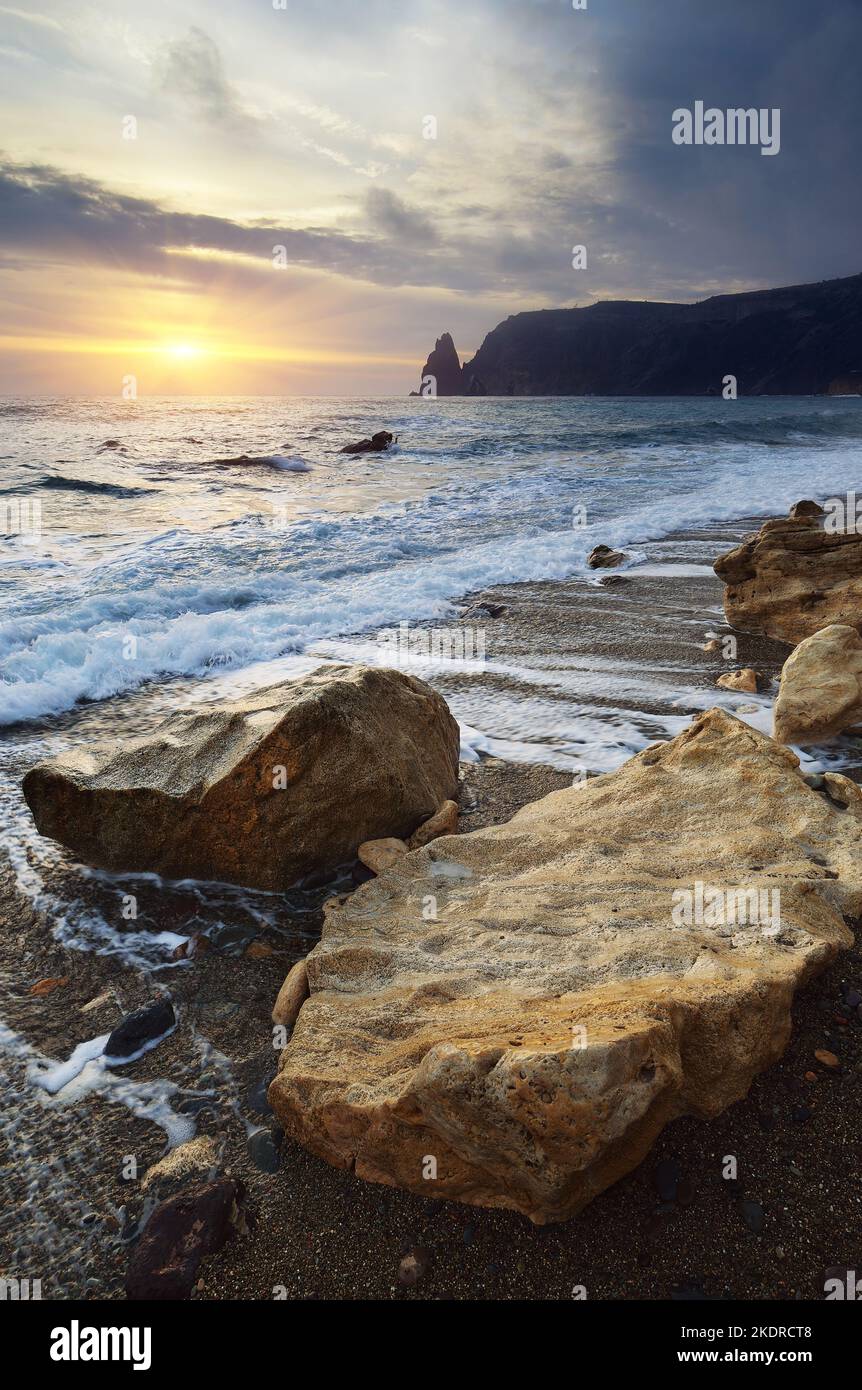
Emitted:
<point x="195" y="602"/>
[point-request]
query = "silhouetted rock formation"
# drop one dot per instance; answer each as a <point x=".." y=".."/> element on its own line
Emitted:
<point x="444" y="369"/>
<point x="804" y="339"/>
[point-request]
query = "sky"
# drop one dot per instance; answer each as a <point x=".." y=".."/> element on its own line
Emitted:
<point x="298" y="196"/>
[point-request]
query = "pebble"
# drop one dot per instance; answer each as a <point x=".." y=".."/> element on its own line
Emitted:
<point x="262" y="1152"/>
<point x="827" y="1059"/>
<point x="413" y="1266"/>
<point x="141" y="1029"/>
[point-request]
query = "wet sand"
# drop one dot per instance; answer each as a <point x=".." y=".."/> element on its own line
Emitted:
<point x="70" y="1216"/>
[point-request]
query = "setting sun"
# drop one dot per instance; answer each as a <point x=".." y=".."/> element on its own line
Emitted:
<point x="186" y="351"/>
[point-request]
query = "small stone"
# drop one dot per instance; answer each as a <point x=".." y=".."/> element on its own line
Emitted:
<point x="713" y="645"/>
<point x="811" y="1076"/>
<point x="258" y="950"/>
<point x="413" y="1266"/>
<point x="262" y="1152"/>
<point x="48" y="985"/>
<point x="485" y="610"/>
<point x="827" y="1059"/>
<point x="746" y="679"/>
<point x="140" y="1031"/>
<point x="443" y="822"/>
<point x="603" y="557"/>
<point x="378" y="855"/>
<point x="853" y="999"/>
<point x="685" y="1192"/>
<point x="196" y="1158"/>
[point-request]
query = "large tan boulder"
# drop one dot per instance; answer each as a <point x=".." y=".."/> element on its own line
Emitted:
<point x="792" y="578"/>
<point x="261" y="791"/>
<point x="510" y="1017"/>
<point x="821" y="687"/>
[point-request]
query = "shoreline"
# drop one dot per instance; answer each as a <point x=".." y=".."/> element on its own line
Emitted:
<point x="320" y="1232"/>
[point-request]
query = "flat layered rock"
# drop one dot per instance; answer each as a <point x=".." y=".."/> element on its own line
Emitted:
<point x="792" y="578"/>
<point x="261" y="791"/>
<point x="510" y="1017"/>
<point x="821" y="687"/>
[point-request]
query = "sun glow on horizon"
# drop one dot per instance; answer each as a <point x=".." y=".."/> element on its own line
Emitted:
<point x="186" y="352"/>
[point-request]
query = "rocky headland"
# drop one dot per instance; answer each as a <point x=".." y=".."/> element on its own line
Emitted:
<point x="801" y="339"/>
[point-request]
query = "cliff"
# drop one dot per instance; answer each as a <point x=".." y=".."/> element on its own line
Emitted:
<point x="800" y="340"/>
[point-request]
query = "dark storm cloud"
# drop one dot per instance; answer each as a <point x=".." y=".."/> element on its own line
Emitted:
<point x="500" y="207"/>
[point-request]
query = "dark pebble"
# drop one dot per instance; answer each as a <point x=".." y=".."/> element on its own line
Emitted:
<point x="263" y="1153"/>
<point x="179" y="1234"/>
<point x="753" y="1216"/>
<point x="147" y="1025"/>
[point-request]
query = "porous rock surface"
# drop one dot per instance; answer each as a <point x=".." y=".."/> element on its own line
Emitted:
<point x="793" y="577"/>
<point x="821" y="687"/>
<point x="518" y="1004"/>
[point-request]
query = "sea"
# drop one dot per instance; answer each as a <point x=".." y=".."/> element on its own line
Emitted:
<point x="142" y="573"/>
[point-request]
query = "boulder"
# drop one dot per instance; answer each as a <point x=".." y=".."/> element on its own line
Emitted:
<point x="526" y="1003"/>
<point x="792" y="578"/>
<point x="602" y="557"/>
<point x="259" y="791"/>
<point x="821" y="687"/>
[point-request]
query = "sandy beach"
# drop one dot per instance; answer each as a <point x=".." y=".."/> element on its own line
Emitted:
<point x="318" y="1233"/>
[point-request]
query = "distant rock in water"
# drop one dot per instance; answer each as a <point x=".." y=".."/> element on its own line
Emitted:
<point x="443" y="374"/>
<point x="803" y="339"/>
<point x="377" y="444"/>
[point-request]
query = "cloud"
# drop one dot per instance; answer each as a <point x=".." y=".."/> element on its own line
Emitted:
<point x="396" y="220"/>
<point x="191" y="69"/>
